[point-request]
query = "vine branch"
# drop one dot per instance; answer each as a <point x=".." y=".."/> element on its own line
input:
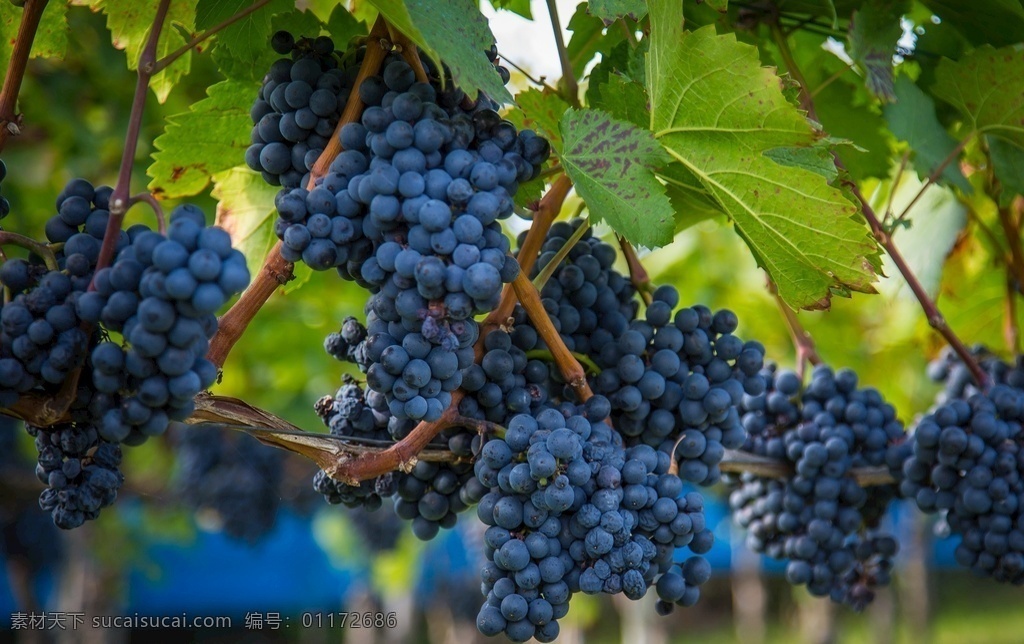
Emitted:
<point x="157" y="66"/>
<point x="9" y="120"/>
<point x="931" y="310"/>
<point x="806" y="352"/>
<point x="120" y="200"/>
<point x="738" y="462"/>
<point x="1015" y="264"/>
<point x="545" y="214"/>
<point x="569" y="367"/>
<point x="568" y="77"/>
<point x="933" y="177"/>
<point x="1011" y="332"/>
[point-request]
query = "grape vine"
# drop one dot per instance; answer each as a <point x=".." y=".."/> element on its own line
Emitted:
<point x="542" y="385"/>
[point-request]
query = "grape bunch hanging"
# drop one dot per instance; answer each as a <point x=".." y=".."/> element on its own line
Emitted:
<point x="129" y="355"/>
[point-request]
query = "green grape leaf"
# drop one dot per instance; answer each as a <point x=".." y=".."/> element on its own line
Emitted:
<point x="304" y="23"/>
<point x="342" y="26"/>
<point x="540" y="110"/>
<point x="817" y="159"/>
<point x="985" y="86"/>
<point x="610" y="10"/>
<point x="874" y="32"/>
<point x="691" y="202"/>
<point x="454" y="32"/>
<point x="718" y="5"/>
<point x="912" y="119"/>
<point x="717" y="111"/>
<point x="51" y="39"/>
<point x="529" y="193"/>
<point x="248" y="39"/>
<point x="129" y="24"/>
<point x="624" y="99"/>
<point x="521" y="7"/>
<point x="610" y="162"/>
<point x="843" y="115"/>
<point x="994" y="22"/>
<point x="210" y="138"/>
<point x="588" y="39"/>
<point x="1008" y="163"/>
<point x="245" y="208"/>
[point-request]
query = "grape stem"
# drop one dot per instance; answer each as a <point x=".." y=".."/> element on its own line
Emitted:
<point x="159" y="65"/>
<point x="934" y="316"/>
<point x="10" y="120"/>
<point x="539" y="81"/>
<point x="572" y="89"/>
<point x="637" y="273"/>
<point x="361" y="469"/>
<point x="42" y="250"/>
<point x="806" y="352"/>
<point x="936" y="173"/>
<point x="148" y="198"/>
<point x="544" y="215"/>
<point x="546" y="355"/>
<point x="120" y="200"/>
<point x="569" y="367"/>
<point x="400" y="456"/>
<point x="549" y="269"/>
<point x="275" y="270"/>
<point x="739" y="461"/>
<point x="931" y="310"/>
<point x="409" y="52"/>
<point x="377" y="47"/>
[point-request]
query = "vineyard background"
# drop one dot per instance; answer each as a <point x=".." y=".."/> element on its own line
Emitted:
<point x="147" y="552"/>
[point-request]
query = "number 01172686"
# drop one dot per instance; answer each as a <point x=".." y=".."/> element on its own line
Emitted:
<point x="350" y="620"/>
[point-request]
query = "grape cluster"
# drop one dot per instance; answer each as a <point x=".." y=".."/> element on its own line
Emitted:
<point x="680" y="380"/>
<point x="410" y="210"/>
<point x="571" y="509"/>
<point x="820" y="519"/>
<point x="235" y="480"/>
<point x="40" y="338"/>
<point x="583" y="288"/>
<point x="348" y="415"/>
<point x="433" y="494"/>
<point x="669" y="378"/>
<point x="80" y="469"/>
<point x="298" y="106"/>
<point x="160" y="294"/>
<point x="41" y="341"/>
<point x="956" y="378"/>
<point x="964" y="460"/>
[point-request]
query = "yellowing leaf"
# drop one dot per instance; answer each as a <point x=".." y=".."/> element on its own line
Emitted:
<point x="210" y="138"/>
<point x="129" y="22"/>
<point x="245" y="208"/>
<point x="987" y="87"/>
